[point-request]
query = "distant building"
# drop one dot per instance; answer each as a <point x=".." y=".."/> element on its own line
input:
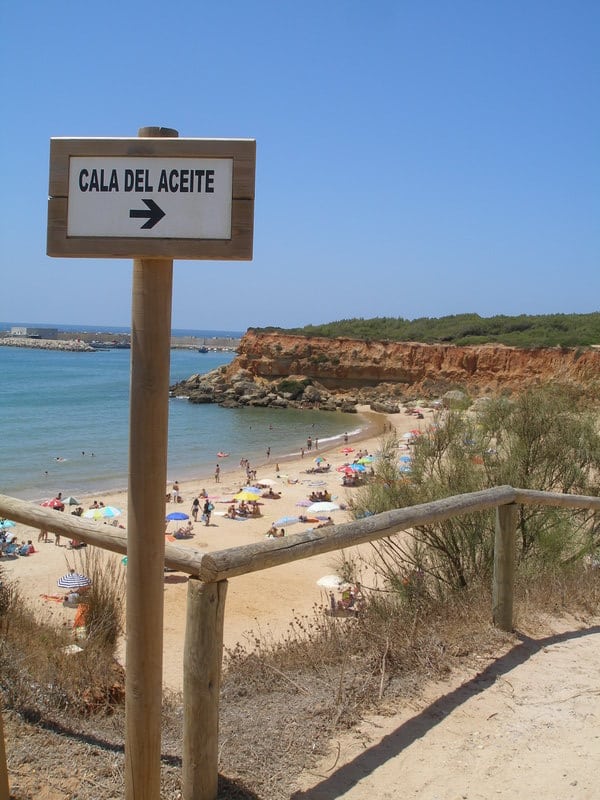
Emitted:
<point x="34" y="333"/>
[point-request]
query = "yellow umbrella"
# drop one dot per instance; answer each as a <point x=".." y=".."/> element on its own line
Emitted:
<point x="247" y="496"/>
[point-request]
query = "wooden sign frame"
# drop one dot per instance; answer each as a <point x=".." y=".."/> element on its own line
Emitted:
<point x="237" y="248"/>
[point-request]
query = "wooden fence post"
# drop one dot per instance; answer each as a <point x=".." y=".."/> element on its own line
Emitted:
<point x="504" y="566"/>
<point x="202" y="657"/>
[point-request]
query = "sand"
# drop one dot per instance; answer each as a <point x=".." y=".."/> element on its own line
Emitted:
<point x="527" y="723"/>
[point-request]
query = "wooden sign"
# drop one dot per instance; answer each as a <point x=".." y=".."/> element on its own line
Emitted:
<point x="152" y="198"/>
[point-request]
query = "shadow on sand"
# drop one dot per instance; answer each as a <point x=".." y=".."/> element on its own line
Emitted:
<point x="348" y="775"/>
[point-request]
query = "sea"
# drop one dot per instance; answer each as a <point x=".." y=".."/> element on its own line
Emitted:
<point x="64" y="421"/>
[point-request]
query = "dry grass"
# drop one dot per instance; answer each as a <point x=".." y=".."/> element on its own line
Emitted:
<point x="282" y="700"/>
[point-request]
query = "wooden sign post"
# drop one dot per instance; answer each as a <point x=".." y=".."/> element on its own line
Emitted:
<point x="148" y="444"/>
<point x="153" y="199"/>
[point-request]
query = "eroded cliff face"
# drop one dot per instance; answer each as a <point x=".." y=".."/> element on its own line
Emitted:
<point x="429" y="369"/>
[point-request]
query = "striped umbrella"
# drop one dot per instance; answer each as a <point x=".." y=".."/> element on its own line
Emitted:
<point x="73" y="581"/>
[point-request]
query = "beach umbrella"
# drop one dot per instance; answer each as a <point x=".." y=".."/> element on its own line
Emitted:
<point x="366" y="460"/>
<point x="104" y="512"/>
<point x="305" y="503"/>
<point x="176" y="515"/>
<point x="347" y="450"/>
<point x="73" y="581"/>
<point x="406" y="459"/>
<point x="71" y="501"/>
<point x="54" y="502"/>
<point x="251" y="489"/>
<point x="322" y="506"/>
<point x="330" y="582"/>
<point x="287" y="521"/>
<point x="405" y="469"/>
<point x="244" y="495"/>
<point x="358" y="468"/>
<point x="318" y="483"/>
<point x="8" y="523"/>
<point x="266" y="482"/>
<point x="319" y="459"/>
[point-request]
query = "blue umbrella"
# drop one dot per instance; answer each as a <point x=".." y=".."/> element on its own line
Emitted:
<point x="406" y="459"/>
<point x="358" y="468"/>
<point x="6" y="523"/>
<point x="176" y="515"/>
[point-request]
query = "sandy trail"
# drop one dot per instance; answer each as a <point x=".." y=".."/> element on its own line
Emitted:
<point x="526" y="725"/>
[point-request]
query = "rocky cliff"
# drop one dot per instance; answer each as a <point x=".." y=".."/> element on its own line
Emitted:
<point x="347" y="363"/>
<point x="280" y="364"/>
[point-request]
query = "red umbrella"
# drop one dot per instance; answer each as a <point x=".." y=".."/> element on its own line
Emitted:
<point x="53" y="503"/>
<point x="347" y="450"/>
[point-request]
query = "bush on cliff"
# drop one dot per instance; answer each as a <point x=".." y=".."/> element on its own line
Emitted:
<point x="541" y="330"/>
<point x="292" y="388"/>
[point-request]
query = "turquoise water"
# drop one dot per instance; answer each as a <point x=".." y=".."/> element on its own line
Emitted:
<point x="57" y="408"/>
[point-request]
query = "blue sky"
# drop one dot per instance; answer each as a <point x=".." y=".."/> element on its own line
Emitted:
<point x="413" y="159"/>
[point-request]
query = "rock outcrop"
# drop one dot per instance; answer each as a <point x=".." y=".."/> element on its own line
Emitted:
<point x="280" y="369"/>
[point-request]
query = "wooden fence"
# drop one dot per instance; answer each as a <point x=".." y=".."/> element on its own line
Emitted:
<point x="209" y="572"/>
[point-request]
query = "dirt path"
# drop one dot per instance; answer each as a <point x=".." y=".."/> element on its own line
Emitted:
<point x="527" y="725"/>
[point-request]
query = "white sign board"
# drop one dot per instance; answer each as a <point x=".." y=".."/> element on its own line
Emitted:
<point x="182" y="198"/>
<point x="151" y="197"/>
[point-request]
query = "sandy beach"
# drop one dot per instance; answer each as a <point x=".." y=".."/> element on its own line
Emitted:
<point x="263" y="601"/>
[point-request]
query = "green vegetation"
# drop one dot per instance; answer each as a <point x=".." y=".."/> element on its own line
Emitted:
<point x="292" y="388"/>
<point x="549" y="330"/>
<point x="541" y="441"/>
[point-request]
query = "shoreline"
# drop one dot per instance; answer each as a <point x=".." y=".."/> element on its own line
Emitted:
<point x="370" y="425"/>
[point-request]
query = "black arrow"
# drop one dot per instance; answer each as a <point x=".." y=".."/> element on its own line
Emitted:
<point x="153" y="212"/>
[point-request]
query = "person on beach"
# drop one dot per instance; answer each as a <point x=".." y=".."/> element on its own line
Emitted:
<point x="268" y="452"/>
<point x="43" y="536"/>
<point x="175" y="492"/>
<point x="195" y="509"/>
<point x="217" y="473"/>
<point x="208" y="507"/>
<point x="309" y="443"/>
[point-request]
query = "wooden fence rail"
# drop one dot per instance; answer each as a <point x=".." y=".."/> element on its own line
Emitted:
<point x="209" y="573"/>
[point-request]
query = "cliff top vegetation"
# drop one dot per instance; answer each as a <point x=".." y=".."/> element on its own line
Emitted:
<point x="546" y="330"/>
